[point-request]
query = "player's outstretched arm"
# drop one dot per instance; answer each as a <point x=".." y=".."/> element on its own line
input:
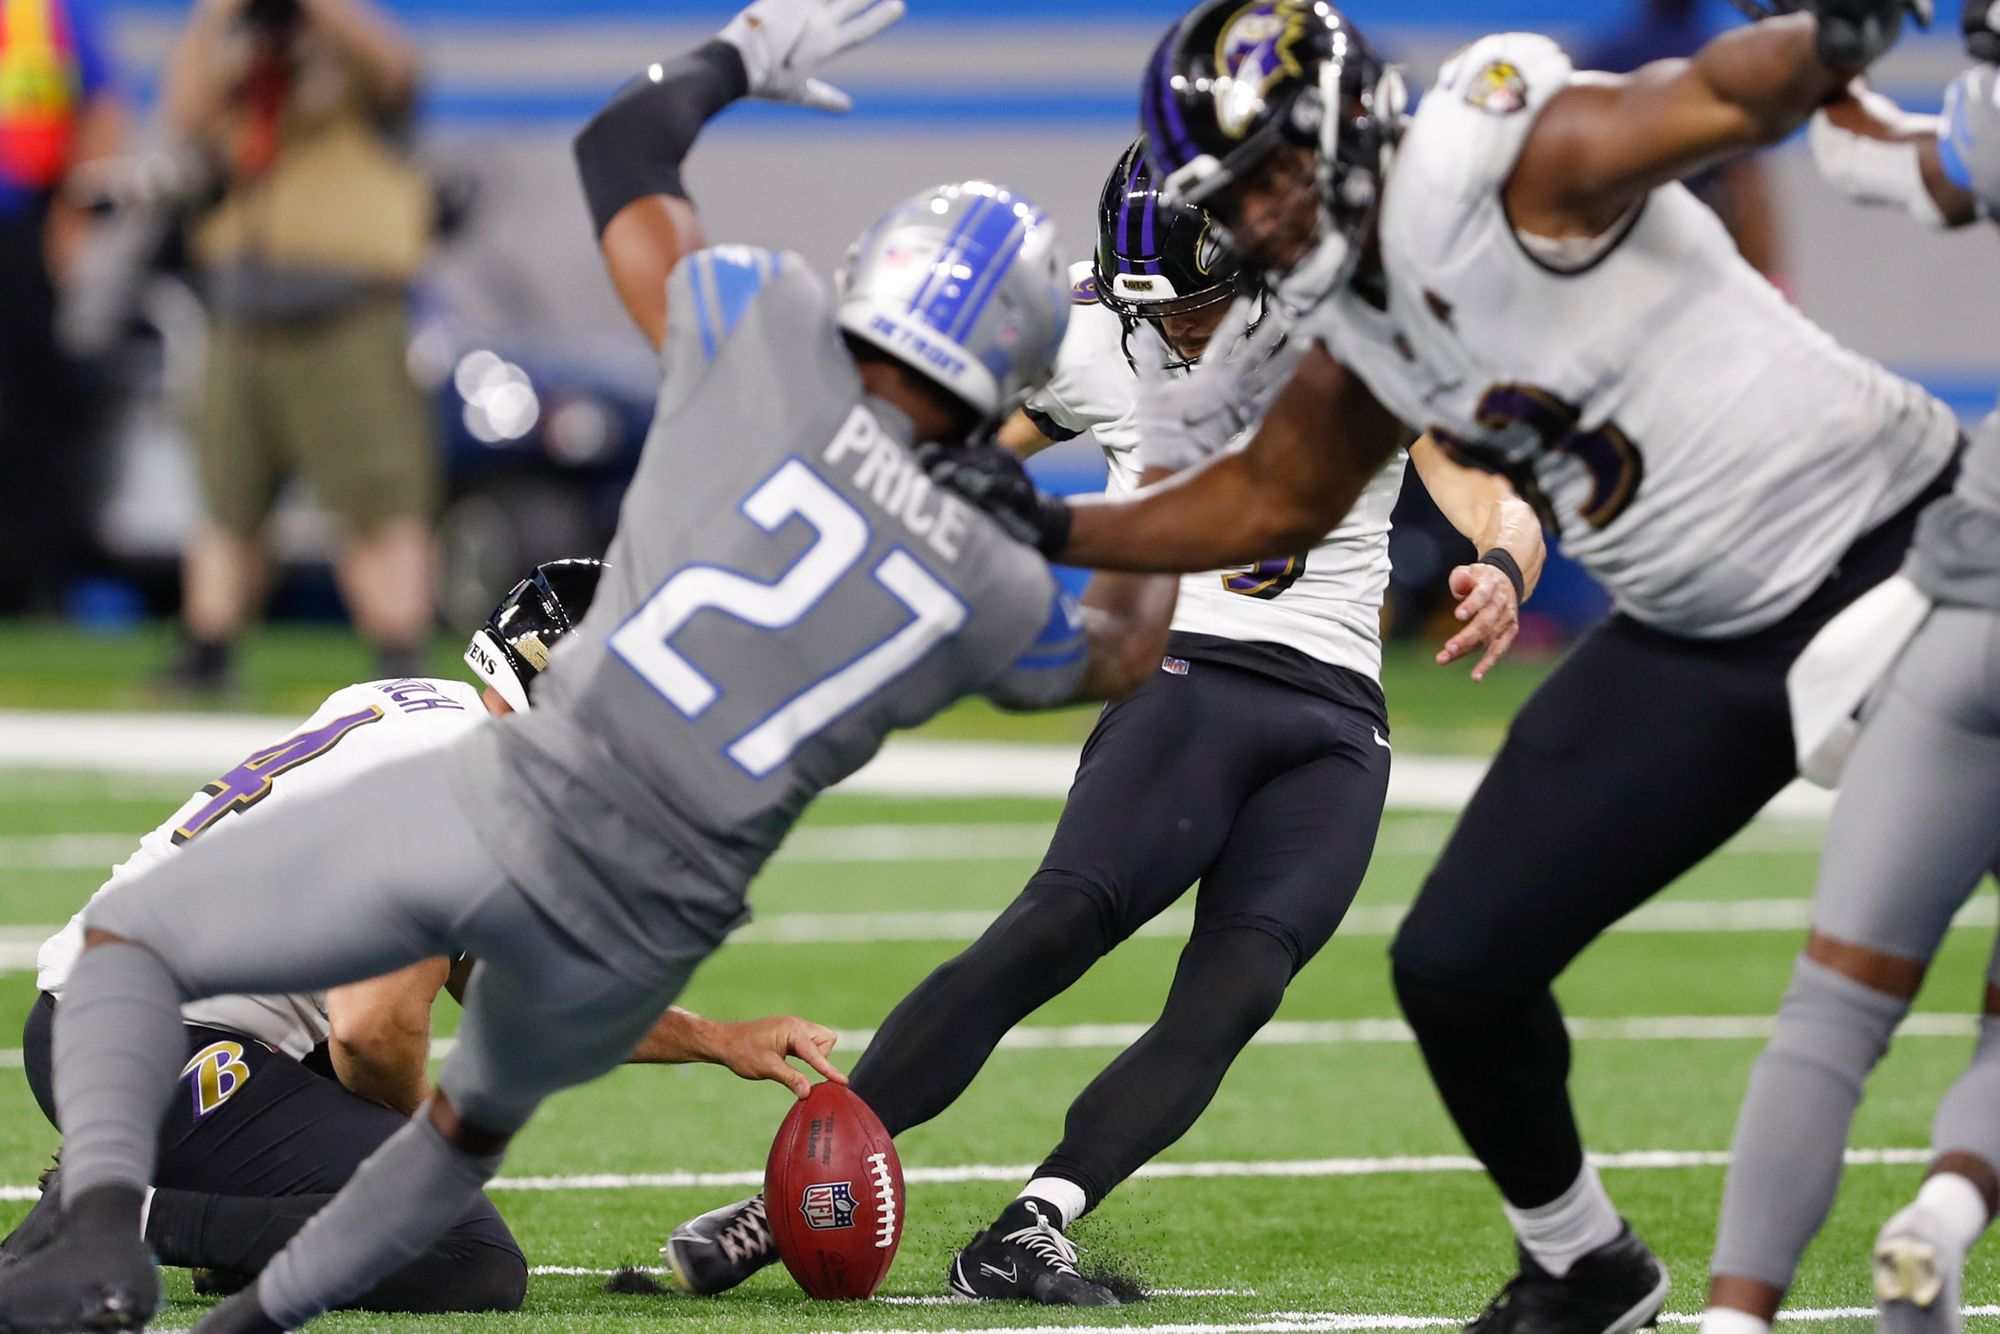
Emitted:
<point x="380" y="1034"/>
<point x="754" y="1049"/>
<point x="1323" y="439"/>
<point x="1502" y="527"/>
<point x="630" y="155"/>
<point x="1932" y="167"/>
<point x="1604" y="141"/>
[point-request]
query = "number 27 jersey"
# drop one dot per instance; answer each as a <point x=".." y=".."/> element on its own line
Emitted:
<point x="1706" y="451"/>
<point x="785" y="588"/>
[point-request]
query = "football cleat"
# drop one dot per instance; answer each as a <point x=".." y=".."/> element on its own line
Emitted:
<point x="1617" y="1288"/>
<point x="39" y="1225"/>
<point x="1918" y="1274"/>
<point x="92" y="1272"/>
<point x="1024" y="1256"/>
<point x="717" y="1251"/>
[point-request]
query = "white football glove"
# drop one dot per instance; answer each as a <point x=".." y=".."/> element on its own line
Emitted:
<point x="783" y="41"/>
<point x="1185" y="419"/>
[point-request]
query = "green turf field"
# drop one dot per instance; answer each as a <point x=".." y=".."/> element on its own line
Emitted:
<point x="289" y="669"/>
<point x="1297" y="1240"/>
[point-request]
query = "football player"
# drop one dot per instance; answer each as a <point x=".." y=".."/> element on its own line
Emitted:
<point x="1255" y="760"/>
<point x="1516" y="268"/>
<point x="283" y="1096"/>
<point x="785" y="588"/>
<point x="1913" y="830"/>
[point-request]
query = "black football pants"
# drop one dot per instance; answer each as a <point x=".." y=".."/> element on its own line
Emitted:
<point x="254" y="1144"/>
<point x="1641" y="754"/>
<point x="1269" y="795"/>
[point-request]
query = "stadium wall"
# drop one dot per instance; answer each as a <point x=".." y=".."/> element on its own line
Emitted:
<point x="1034" y="93"/>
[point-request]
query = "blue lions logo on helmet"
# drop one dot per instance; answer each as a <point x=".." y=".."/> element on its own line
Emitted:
<point x="1254" y="53"/>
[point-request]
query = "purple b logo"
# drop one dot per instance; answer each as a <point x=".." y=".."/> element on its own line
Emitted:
<point x="1252" y="55"/>
<point x="829" y="1204"/>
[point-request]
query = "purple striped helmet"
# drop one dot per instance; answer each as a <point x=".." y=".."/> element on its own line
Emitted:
<point x="1235" y="79"/>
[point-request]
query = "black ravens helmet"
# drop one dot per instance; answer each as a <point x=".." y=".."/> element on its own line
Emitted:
<point x="1235" y="79"/>
<point x="512" y="648"/>
<point x="1156" y="256"/>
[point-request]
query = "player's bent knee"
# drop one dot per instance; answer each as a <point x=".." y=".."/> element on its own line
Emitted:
<point x="491" y="1278"/>
<point x="1437" y="1007"/>
<point x="95" y="936"/>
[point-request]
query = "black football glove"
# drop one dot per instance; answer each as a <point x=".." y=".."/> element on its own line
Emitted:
<point x="1981" y="21"/>
<point x="1852" y="33"/>
<point x="994" y="480"/>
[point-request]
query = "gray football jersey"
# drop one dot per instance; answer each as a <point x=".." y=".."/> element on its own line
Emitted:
<point x="1956" y="555"/>
<point x="786" y="587"/>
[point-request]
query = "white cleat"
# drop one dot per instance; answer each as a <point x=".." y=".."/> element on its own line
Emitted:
<point x="1917" y="1276"/>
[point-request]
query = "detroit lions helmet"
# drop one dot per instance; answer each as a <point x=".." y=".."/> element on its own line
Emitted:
<point x="967" y="284"/>
<point x="1235" y="79"/>
<point x="512" y="648"/>
<point x="1156" y="256"/>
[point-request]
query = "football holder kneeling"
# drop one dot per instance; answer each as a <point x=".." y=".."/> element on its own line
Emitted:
<point x="833" y="1193"/>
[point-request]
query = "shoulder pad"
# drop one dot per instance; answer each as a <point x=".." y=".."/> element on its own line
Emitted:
<point x="1469" y="128"/>
<point x="713" y="291"/>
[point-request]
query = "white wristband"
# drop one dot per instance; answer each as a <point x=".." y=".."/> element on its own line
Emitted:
<point x="1874" y="171"/>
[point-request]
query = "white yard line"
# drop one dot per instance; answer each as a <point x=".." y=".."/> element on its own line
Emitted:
<point x="198" y="746"/>
<point x="1418" y="1165"/>
<point x="1318" y="1322"/>
<point x="1367" y="1032"/>
<point x="1665" y="917"/>
<point x="828" y="845"/>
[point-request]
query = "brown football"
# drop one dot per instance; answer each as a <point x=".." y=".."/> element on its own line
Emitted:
<point x="833" y="1192"/>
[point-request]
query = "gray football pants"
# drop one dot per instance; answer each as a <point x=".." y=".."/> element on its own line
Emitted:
<point x="376" y="875"/>
<point x="1916" y="826"/>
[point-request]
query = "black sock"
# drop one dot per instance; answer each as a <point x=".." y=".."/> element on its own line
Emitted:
<point x="935" y="1041"/>
<point x="1227" y="986"/>
<point x="1501" y="1064"/>
<point x="399" y="662"/>
<point x="205" y="657"/>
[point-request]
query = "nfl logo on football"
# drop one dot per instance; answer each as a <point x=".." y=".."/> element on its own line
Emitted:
<point x="828" y="1204"/>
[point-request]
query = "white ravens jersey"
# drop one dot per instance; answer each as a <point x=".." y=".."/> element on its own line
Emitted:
<point x="1703" y="449"/>
<point x="357" y="728"/>
<point x="1325" y="603"/>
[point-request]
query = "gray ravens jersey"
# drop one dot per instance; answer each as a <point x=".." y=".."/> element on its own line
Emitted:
<point x="785" y="588"/>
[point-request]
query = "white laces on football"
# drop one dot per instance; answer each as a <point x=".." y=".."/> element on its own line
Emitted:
<point x="1045" y="1244"/>
<point x="749" y="1236"/>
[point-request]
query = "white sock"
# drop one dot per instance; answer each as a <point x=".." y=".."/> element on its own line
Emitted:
<point x="1569" y="1227"/>
<point x="1726" y="1320"/>
<point x="1066" y="1196"/>
<point x="1956" y="1203"/>
<point x="145" y="1211"/>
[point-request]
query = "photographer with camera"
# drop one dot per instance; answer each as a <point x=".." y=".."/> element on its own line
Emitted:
<point x="302" y="108"/>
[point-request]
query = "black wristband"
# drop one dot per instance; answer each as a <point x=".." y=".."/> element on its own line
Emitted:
<point x="1503" y="560"/>
<point x="634" y="146"/>
<point x="1053" y="530"/>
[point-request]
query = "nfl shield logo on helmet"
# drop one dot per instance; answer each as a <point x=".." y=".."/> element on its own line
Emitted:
<point x="829" y="1204"/>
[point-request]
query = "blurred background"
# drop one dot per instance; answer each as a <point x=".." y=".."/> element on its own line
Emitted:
<point x="302" y="324"/>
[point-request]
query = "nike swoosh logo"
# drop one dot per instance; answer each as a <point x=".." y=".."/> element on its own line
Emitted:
<point x="1378" y="739"/>
<point x="1011" y="1274"/>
